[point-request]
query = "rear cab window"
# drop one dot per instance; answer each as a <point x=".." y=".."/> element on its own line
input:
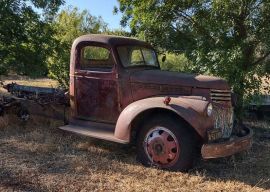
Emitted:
<point x="96" y="58"/>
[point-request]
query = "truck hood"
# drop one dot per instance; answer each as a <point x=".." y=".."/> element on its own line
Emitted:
<point x="176" y="78"/>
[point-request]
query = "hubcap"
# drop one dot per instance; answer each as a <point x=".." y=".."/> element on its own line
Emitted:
<point x="161" y="147"/>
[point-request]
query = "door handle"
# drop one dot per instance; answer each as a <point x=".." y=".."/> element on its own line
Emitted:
<point x="80" y="77"/>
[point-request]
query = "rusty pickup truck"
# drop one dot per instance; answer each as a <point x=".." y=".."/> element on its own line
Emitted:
<point x="119" y="93"/>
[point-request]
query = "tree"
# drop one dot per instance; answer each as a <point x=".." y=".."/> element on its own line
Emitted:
<point x="227" y="38"/>
<point x="25" y="37"/>
<point x="175" y="62"/>
<point x="68" y="25"/>
<point x="117" y="32"/>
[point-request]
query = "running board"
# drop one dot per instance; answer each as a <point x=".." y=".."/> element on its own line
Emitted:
<point x="95" y="130"/>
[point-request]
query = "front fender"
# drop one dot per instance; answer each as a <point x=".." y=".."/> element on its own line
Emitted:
<point x="191" y="109"/>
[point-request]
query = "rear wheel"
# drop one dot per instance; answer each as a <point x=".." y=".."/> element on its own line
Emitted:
<point x="166" y="143"/>
<point x="23" y="114"/>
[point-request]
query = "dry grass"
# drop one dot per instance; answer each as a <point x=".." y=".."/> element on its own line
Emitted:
<point x="22" y="80"/>
<point x="37" y="156"/>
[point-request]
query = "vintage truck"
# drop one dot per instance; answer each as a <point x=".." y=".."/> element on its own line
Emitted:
<point x="119" y="93"/>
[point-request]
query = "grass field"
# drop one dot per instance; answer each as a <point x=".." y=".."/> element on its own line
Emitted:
<point x="37" y="156"/>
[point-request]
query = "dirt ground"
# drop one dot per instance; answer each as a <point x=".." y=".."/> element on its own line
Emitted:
<point x="37" y="156"/>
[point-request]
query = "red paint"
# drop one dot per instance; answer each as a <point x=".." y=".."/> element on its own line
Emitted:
<point x="167" y="100"/>
<point x="162" y="148"/>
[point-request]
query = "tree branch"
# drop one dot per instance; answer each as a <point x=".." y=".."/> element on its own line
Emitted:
<point x="200" y="28"/>
<point x="261" y="59"/>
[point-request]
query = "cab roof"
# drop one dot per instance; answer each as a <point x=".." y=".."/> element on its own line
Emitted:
<point x="110" y="40"/>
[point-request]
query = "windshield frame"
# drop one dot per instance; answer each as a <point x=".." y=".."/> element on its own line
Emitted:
<point x="140" y="48"/>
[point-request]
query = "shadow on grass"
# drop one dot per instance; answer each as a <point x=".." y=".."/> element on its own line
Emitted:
<point x="15" y="182"/>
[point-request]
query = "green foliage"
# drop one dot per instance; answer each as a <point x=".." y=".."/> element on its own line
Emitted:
<point x="68" y="25"/>
<point x="176" y="62"/>
<point x="96" y="53"/>
<point x="117" y="32"/>
<point x="226" y="38"/>
<point x="25" y="38"/>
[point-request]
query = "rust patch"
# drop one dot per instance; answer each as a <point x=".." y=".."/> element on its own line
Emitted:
<point x="227" y="148"/>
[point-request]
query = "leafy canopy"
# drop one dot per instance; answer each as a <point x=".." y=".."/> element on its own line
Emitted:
<point x="68" y="25"/>
<point x="226" y="38"/>
<point x="25" y="37"/>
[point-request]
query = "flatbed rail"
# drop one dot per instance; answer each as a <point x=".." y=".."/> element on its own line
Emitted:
<point x="26" y="100"/>
<point x="261" y="108"/>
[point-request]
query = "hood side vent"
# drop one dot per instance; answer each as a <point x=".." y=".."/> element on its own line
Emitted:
<point x="220" y="95"/>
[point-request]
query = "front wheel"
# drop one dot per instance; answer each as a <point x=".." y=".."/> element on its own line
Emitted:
<point x="166" y="143"/>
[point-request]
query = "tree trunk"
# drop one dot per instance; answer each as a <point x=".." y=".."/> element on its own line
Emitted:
<point x="239" y="91"/>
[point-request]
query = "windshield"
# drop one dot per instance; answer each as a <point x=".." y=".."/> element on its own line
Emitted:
<point x="132" y="56"/>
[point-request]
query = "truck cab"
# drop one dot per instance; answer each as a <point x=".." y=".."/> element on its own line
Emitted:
<point x="119" y="93"/>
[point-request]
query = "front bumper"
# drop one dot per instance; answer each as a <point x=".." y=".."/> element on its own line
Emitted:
<point x="227" y="148"/>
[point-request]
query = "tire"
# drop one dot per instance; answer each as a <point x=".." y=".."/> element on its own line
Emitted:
<point x="166" y="143"/>
<point x="23" y="114"/>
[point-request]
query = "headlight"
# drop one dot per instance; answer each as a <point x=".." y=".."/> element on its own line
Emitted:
<point x="209" y="109"/>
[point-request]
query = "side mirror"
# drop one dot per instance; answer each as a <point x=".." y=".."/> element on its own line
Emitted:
<point x="163" y="59"/>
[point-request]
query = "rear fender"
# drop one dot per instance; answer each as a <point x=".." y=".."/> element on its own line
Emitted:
<point x="191" y="109"/>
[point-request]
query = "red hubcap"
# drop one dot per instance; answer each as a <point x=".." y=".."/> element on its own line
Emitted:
<point x="161" y="147"/>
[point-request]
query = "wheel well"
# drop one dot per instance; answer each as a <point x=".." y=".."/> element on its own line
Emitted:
<point x="139" y="120"/>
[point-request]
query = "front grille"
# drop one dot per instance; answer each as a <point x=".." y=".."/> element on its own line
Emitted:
<point x="223" y="120"/>
<point x="220" y="96"/>
<point x="222" y="111"/>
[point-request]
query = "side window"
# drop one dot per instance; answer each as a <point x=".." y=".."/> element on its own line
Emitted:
<point x="136" y="57"/>
<point x="95" y="58"/>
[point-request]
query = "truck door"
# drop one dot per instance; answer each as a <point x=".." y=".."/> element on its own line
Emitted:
<point x="96" y="90"/>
